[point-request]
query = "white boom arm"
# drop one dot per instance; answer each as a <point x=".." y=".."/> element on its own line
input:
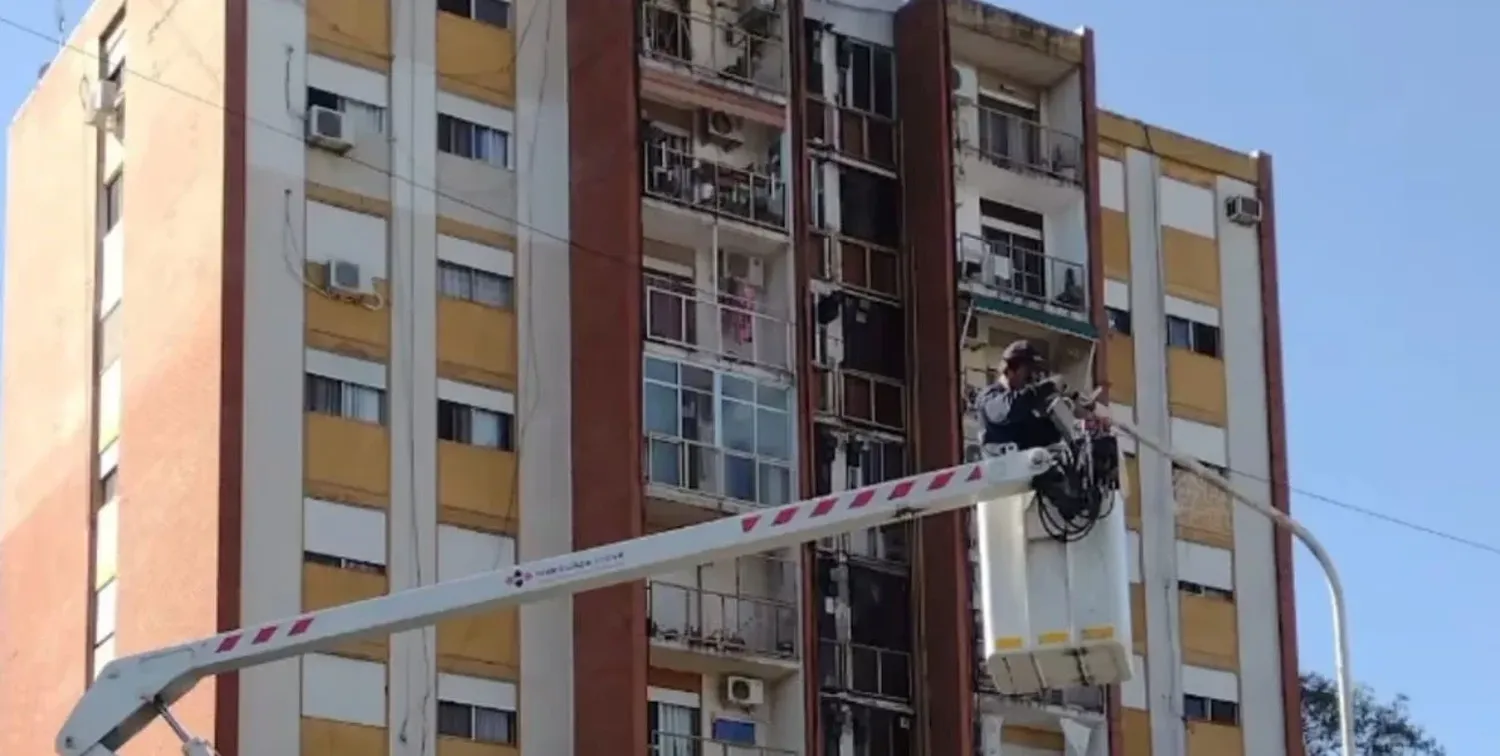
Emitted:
<point x="132" y="691"/>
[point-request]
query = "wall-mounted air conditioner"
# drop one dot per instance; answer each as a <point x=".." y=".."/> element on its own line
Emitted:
<point x="1242" y="210"/>
<point x="327" y="129"/>
<point x="965" y="83"/>
<point x="721" y="126"/>
<point x="103" y="102"/>
<point x="743" y="691"/>
<point x="345" y="277"/>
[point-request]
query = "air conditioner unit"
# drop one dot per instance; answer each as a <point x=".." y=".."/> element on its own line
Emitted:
<point x="103" y="101"/>
<point x="743" y="691"/>
<point x="720" y="125"/>
<point x="965" y="83"/>
<point x="1242" y="210"/>
<point x="327" y="129"/>
<point x="346" y="277"/>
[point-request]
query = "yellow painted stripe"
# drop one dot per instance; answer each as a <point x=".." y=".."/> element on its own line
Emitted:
<point x="1010" y="642"/>
<point x="1053" y="637"/>
<point x="1098" y="632"/>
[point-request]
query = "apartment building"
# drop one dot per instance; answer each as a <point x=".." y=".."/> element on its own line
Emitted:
<point x="475" y="281"/>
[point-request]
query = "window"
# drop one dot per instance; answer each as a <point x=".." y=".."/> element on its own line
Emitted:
<point x="369" y="117"/>
<point x="473" y="285"/>
<point x="870" y="207"/>
<point x="342" y="563"/>
<point x="718" y="433"/>
<point x="477" y="723"/>
<point x="878" y="732"/>
<point x="470" y="140"/>
<point x="1119" y="320"/>
<point x="1190" y="334"/>
<point x="1204" y="709"/>
<point x="109" y="486"/>
<point x="674" y="729"/>
<point x="476" y="426"/>
<point x="492" y="12"/>
<point x="868" y="80"/>
<point x="1198" y="589"/>
<point x="112" y="201"/>
<point x="330" y="396"/>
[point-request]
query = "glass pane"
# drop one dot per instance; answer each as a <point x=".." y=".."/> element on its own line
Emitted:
<point x="775" y="397"/>
<point x="664" y="463"/>
<point x="739" y="477"/>
<point x="697" y="416"/>
<point x="454" y="719"/>
<point x="775" y="484"/>
<point x="661" y="370"/>
<point x="661" y="410"/>
<point x="703" y="469"/>
<point x="698" y="378"/>
<point x="737" y="388"/>
<point x="738" y="421"/>
<point x="773" y="434"/>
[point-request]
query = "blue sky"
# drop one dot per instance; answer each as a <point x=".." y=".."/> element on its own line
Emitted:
<point x="1380" y="122"/>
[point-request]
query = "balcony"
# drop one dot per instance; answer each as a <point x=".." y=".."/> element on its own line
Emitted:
<point x="670" y="744"/>
<point x="1015" y="278"/>
<point x="712" y="192"/>
<point x="865" y="670"/>
<point x="863" y="399"/>
<point x="1015" y="159"/>
<point x="725" y="326"/>
<point x="853" y="134"/>
<point x="710" y="632"/>
<point x="716" y="442"/>
<point x="856" y="265"/>
<point x="735" y="52"/>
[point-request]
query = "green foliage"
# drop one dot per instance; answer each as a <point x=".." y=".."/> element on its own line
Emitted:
<point x="1380" y="729"/>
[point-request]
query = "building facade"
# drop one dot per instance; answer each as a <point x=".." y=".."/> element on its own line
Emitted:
<point x="474" y="281"/>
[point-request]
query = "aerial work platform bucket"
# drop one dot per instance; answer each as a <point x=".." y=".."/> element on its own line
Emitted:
<point x="1056" y="614"/>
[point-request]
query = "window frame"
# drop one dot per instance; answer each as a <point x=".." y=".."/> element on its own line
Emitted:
<point x="309" y="395"/>
<point x="1119" y="320"/>
<point x="474" y="710"/>
<point x="112" y="201"/>
<point x="1199" y="338"/>
<point x="506" y="435"/>
<point x="471" y="11"/>
<point x="472" y="277"/>
<point x="449" y="144"/>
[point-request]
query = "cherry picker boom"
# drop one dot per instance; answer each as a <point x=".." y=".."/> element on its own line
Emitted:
<point x="132" y="691"/>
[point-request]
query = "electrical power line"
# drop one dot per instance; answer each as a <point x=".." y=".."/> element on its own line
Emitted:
<point x="63" y="44"/>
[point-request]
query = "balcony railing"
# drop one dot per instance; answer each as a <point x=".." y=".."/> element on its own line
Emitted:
<point x="853" y="133"/>
<point x="722" y="622"/>
<point x="677" y="176"/>
<point x="1025" y="275"/>
<point x="863" y="398"/>
<point x="703" y="468"/>
<point x="1017" y="144"/>
<point x="855" y="264"/>
<point x="865" y="670"/>
<point x="739" y="50"/>
<point x="670" y="744"/>
<point x="723" y="325"/>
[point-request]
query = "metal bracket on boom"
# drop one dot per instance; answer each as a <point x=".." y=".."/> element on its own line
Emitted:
<point x="132" y="691"/>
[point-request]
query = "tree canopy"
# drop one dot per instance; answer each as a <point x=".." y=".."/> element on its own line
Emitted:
<point x="1380" y="728"/>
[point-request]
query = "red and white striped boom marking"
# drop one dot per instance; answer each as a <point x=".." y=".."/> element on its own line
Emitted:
<point x="858" y="499"/>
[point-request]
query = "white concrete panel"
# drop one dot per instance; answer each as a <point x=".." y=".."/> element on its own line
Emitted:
<point x="476" y="396"/>
<point x="348" y="369"/>
<point x="1145" y="202"/>
<point x="1112" y="184"/>
<point x="1206" y="443"/>
<point x="1249" y="454"/>
<point x="106" y="542"/>
<point x="334" y="233"/>
<point x="543" y="212"/>
<point x="476" y="192"/>
<point x="674" y="697"/>
<point x="112" y="268"/>
<point x="1133" y="554"/>
<point x="1188" y="207"/>
<point x="462" y="552"/>
<point x="104" y="653"/>
<point x="106" y="610"/>
<point x="501" y="262"/>
<point x="110" y="386"/>
<point x="1133" y="691"/>
<point x="344" y="80"/>
<point x="1210" y="683"/>
<point x="1116" y="294"/>
<point x="412" y="256"/>
<point x="475" y="111"/>
<point x="1205" y="565"/>
<point x="344" y="531"/>
<point x="1194" y="311"/>
<point x="475" y="691"/>
<point x="276" y="242"/>
<point x="109" y="459"/>
<point x="343" y="690"/>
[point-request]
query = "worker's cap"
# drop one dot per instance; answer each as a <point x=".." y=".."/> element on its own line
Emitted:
<point x="1021" y="353"/>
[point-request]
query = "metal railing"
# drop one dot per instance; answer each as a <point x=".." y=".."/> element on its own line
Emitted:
<point x="722" y="622"/>
<point x="1026" y="274"/>
<point x="861" y="397"/>
<point x="737" y="49"/>
<point x="678" y="176"/>
<point x="703" y="468"/>
<point x="723" y="325"/>
<point x="1015" y="143"/>
<point x="853" y="133"/>
<point x="865" y="670"/>
<point x="855" y="264"/>
<point x="672" y="744"/>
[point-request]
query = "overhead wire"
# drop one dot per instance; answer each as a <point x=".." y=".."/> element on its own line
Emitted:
<point x="616" y="258"/>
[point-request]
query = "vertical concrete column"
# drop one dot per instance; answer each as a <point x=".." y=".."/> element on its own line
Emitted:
<point x="609" y="625"/>
<point x="942" y="570"/>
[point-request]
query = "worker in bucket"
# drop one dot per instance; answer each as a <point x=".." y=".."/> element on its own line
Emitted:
<point x="1015" y="410"/>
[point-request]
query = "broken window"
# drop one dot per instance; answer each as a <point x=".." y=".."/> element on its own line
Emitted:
<point x="880" y="607"/>
<point x="870" y="207"/>
<point x="872" y="334"/>
<point x="878" y="732"/>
